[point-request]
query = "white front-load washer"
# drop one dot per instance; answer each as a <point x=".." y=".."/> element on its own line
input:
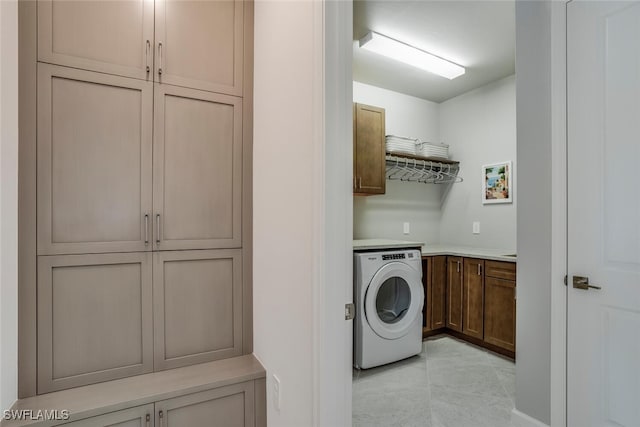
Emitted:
<point x="389" y="297"/>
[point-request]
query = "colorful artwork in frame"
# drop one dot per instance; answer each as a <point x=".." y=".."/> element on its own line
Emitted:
<point x="497" y="186"/>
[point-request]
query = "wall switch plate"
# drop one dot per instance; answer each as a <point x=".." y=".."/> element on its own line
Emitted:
<point x="406" y="228"/>
<point x="476" y="227"/>
<point x="276" y="393"/>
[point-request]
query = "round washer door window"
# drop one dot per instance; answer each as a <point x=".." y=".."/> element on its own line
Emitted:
<point x="393" y="300"/>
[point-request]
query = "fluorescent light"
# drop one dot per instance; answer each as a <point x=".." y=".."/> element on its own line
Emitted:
<point x="399" y="51"/>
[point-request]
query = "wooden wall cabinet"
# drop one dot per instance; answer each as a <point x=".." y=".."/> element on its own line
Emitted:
<point x="454" y="293"/>
<point x="195" y="44"/>
<point x="500" y="304"/>
<point x="369" y="154"/>
<point x="473" y="298"/>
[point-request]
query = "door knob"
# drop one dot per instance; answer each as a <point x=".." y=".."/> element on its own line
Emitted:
<point x="580" y="282"/>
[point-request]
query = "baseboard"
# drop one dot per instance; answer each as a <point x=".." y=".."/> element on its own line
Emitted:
<point x="518" y="419"/>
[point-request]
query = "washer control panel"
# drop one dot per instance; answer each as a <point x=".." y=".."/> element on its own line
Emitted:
<point x="388" y="257"/>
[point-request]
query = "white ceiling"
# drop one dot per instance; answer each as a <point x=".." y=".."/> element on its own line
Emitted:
<point x="479" y="35"/>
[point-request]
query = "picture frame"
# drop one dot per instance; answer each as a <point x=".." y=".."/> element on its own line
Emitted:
<point x="497" y="183"/>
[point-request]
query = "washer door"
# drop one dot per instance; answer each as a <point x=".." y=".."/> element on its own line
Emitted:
<point x="393" y="300"/>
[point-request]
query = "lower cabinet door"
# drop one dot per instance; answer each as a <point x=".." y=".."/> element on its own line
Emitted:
<point x="454" y="293"/>
<point x="140" y="416"/>
<point x="94" y="318"/>
<point x="473" y="298"/>
<point x="230" y="406"/>
<point x="500" y="313"/>
<point x="197" y="299"/>
<point x="438" y="292"/>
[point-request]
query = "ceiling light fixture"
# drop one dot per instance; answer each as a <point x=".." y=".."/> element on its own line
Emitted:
<point x="399" y="51"/>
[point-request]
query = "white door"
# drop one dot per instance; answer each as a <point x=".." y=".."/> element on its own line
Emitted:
<point x="603" y="69"/>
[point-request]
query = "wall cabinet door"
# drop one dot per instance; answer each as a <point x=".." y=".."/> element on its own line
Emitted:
<point x="197" y="169"/>
<point x="438" y="292"/>
<point x="94" y="162"/>
<point x="230" y="406"/>
<point x="140" y="416"/>
<point x="500" y="313"/>
<point x="369" y="155"/>
<point x="199" y="44"/>
<point x="454" y="293"/>
<point x="114" y="37"/>
<point x="94" y="318"/>
<point x="473" y="299"/>
<point x="197" y="307"/>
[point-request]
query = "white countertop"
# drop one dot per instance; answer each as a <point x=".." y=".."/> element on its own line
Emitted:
<point x="366" y="244"/>
<point x="437" y="249"/>
<point x="468" y="251"/>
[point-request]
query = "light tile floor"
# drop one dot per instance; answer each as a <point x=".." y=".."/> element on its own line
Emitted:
<point x="450" y="384"/>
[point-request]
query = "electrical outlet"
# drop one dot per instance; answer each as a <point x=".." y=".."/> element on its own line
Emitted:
<point x="276" y="392"/>
<point x="406" y="228"/>
<point x="476" y="227"/>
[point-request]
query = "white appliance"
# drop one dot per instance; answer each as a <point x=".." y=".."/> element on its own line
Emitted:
<point x="388" y="296"/>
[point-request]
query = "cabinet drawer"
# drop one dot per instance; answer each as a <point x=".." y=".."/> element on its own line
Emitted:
<point x="500" y="270"/>
<point x="140" y="416"/>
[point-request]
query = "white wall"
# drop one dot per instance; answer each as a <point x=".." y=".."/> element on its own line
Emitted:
<point x="480" y="128"/>
<point x="8" y="203"/>
<point x="285" y="117"/>
<point x="419" y="204"/>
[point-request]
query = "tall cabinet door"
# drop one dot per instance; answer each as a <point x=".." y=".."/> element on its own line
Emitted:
<point x="199" y="44"/>
<point x="369" y="159"/>
<point x="94" y="318"/>
<point x="114" y="37"/>
<point x="473" y="300"/>
<point x="94" y="162"/>
<point x="197" y="169"/>
<point x="197" y="306"/>
<point x="454" y="293"/>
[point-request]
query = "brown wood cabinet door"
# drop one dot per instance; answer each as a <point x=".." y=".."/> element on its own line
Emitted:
<point x="197" y="306"/>
<point x="438" y="292"/>
<point x="140" y="416"/>
<point x="454" y="293"/>
<point x="114" y="37"/>
<point x="500" y="313"/>
<point x="369" y="170"/>
<point x="473" y="299"/>
<point x="94" y="318"/>
<point x="199" y="44"/>
<point x="230" y="406"/>
<point x="94" y="162"/>
<point x="197" y="169"/>
<point x="426" y="285"/>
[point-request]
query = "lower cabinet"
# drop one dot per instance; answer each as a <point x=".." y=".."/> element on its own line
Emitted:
<point x="234" y="405"/>
<point x="500" y="312"/>
<point x="473" y="298"/>
<point x="454" y="293"/>
<point x="434" y="280"/>
<point x="231" y="406"/>
<point x="140" y="416"/>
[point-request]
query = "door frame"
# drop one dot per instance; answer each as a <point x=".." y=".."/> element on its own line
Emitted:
<point x="559" y="210"/>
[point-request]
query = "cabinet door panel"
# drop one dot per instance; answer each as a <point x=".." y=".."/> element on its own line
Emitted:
<point x="94" y="318"/>
<point x="198" y="306"/>
<point x="369" y="150"/>
<point x="500" y="313"/>
<point x="133" y="417"/>
<point x="230" y="406"/>
<point x="454" y="293"/>
<point x="438" y="292"/>
<point x="426" y="285"/>
<point x="200" y="44"/>
<point x="94" y="162"/>
<point x="473" y="299"/>
<point x="197" y="169"/>
<point x="106" y="36"/>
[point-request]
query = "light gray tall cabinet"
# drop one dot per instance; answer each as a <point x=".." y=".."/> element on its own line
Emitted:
<point x="143" y="114"/>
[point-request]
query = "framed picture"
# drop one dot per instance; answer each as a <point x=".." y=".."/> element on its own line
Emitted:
<point x="497" y="186"/>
